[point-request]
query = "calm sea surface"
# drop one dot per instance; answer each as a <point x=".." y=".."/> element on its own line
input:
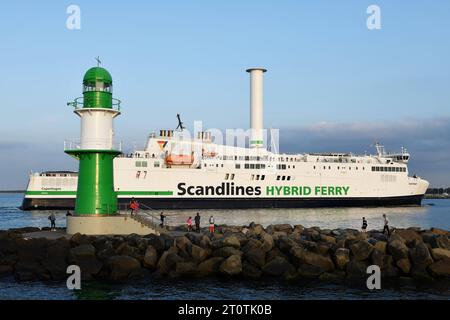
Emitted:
<point x="434" y="213"/>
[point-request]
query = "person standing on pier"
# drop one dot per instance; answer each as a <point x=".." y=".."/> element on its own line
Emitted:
<point x="386" y="225"/>
<point x="134" y="206"/>
<point x="364" y="224"/>
<point x="162" y="217"/>
<point x="211" y="225"/>
<point x="197" y="222"/>
<point x="189" y="224"/>
<point x="52" y="219"/>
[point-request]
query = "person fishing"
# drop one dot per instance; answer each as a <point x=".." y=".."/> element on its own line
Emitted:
<point x="52" y="219"/>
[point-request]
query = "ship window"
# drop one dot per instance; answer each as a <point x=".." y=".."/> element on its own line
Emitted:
<point x="314" y="167"/>
<point x="238" y="166"/>
<point x="324" y="167"/>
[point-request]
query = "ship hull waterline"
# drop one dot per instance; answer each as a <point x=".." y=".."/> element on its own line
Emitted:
<point x="233" y="203"/>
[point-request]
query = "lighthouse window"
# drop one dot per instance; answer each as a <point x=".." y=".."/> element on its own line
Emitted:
<point x="246" y="166"/>
<point x="138" y="163"/>
<point x="238" y="166"/>
<point x="227" y="176"/>
<point x="258" y="166"/>
<point x="138" y="173"/>
<point x="252" y="166"/>
<point x="278" y="177"/>
<point x="263" y="177"/>
<point x="156" y="164"/>
<point x="288" y="177"/>
<point x="232" y="176"/>
<point x="283" y="178"/>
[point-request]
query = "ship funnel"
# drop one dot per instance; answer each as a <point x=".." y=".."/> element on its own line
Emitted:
<point x="256" y="107"/>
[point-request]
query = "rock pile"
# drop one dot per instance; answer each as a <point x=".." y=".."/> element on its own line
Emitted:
<point x="285" y="251"/>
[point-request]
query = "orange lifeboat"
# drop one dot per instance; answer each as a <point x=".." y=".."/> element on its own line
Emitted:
<point x="179" y="159"/>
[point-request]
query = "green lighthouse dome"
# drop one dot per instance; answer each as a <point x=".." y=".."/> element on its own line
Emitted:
<point x="97" y="88"/>
<point x="97" y="74"/>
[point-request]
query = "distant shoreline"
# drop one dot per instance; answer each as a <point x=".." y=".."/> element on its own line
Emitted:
<point x="12" y="191"/>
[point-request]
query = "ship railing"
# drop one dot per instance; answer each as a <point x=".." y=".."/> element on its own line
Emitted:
<point x="91" y="144"/>
<point x="78" y="103"/>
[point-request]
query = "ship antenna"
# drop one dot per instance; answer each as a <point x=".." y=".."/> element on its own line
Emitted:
<point x="180" y="123"/>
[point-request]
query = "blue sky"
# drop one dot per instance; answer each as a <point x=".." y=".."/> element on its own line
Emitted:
<point x="189" y="57"/>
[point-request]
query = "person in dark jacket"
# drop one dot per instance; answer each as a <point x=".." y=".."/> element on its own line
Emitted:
<point x="197" y="222"/>
<point x="364" y="224"/>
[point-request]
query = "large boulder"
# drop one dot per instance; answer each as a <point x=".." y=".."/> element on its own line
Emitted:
<point x="267" y="242"/>
<point x="389" y="270"/>
<point x="129" y="250"/>
<point x="309" y="271"/>
<point x="441" y="268"/>
<point x="186" y="268"/>
<point x="440" y="232"/>
<point x="439" y="253"/>
<point x="377" y="258"/>
<point x="79" y="239"/>
<point x="56" y="259"/>
<point x="232" y="265"/>
<point x="250" y="271"/>
<point x="282" y="228"/>
<point x="226" y="252"/>
<point x="168" y="260"/>
<point x="183" y="243"/>
<point x="409" y="235"/>
<point x="84" y="256"/>
<point x="398" y="249"/>
<point x="156" y="242"/>
<point x="198" y="253"/>
<point x="357" y="269"/>
<point x="122" y="266"/>
<point x="327" y="238"/>
<point x="7" y="244"/>
<point x="318" y="260"/>
<point x="255" y="256"/>
<point x="342" y="258"/>
<point x="205" y="242"/>
<point x="381" y="246"/>
<point x="362" y="250"/>
<point x="150" y="258"/>
<point x="231" y="241"/>
<point x="443" y="242"/>
<point x="210" y="266"/>
<point x="404" y="265"/>
<point x="420" y="255"/>
<point x="277" y="267"/>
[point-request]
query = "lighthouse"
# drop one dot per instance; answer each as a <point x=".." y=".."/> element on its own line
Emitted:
<point x="95" y="151"/>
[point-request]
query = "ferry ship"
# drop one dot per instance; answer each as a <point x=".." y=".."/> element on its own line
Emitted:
<point x="173" y="171"/>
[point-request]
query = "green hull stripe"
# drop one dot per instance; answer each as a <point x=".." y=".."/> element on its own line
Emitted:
<point x="144" y="193"/>
<point x="51" y="193"/>
<point x="120" y="193"/>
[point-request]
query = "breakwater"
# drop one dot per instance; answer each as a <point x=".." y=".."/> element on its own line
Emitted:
<point x="278" y="251"/>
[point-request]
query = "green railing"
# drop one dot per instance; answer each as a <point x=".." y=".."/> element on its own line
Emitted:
<point x="78" y="103"/>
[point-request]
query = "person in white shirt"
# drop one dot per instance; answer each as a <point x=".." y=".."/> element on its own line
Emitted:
<point x="386" y="225"/>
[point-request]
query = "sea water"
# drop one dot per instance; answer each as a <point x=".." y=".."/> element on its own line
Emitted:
<point x="433" y="213"/>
